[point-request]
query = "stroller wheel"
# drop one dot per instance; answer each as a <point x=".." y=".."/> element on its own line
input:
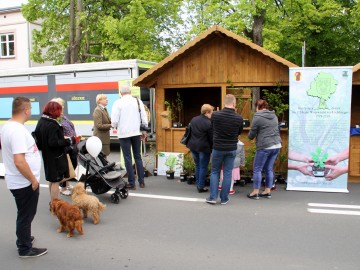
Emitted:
<point x="115" y="198"/>
<point x="124" y="194"/>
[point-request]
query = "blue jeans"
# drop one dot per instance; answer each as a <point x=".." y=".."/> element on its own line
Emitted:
<point x="264" y="160"/>
<point x="26" y="201"/>
<point x="218" y="158"/>
<point x="126" y="145"/>
<point x="201" y="160"/>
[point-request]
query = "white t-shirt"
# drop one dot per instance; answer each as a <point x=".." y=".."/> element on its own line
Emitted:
<point x="16" y="139"/>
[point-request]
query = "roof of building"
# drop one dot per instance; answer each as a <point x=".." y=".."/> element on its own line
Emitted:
<point x="215" y="30"/>
<point x="356" y="67"/>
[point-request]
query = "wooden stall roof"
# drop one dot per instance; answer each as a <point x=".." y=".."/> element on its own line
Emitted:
<point x="356" y="74"/>
<point x="147" y="79"/>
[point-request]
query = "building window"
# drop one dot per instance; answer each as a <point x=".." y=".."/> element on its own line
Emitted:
<point x="7" y="45"/>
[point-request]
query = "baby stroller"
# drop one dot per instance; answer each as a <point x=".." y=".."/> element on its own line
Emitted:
<point x="101" y="175"/>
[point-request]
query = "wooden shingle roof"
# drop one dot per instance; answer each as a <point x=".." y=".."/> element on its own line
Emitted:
<point x="216" y="31"/>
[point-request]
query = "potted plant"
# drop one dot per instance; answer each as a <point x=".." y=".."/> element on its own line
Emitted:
<point x="186" y="168"/>
<point x="319" y="157"/>
<point x="170" y="162"/>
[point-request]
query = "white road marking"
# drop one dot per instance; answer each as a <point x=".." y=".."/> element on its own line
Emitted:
<point x="346" y="206"/>
<point x="334" y="211"/>
<point x="151" y="196"/>
<point x="174" y="198"/>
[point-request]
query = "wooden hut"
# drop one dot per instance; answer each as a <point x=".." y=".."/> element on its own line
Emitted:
<point x="203" y="71"/>
<point x="354" y="162"/>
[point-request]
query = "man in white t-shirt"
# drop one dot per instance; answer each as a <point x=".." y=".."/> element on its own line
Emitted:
<point x="127" y="115"/>
<point x="22" y="162"/>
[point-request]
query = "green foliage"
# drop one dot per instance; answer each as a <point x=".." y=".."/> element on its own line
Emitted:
<point x="170" y="162"/>
<point x="278" y="100"/>
<point x="249" y="157"/>
<point x="111" y="30"/>
<point x="319" y="157"/>
<point x="188" y="164"/>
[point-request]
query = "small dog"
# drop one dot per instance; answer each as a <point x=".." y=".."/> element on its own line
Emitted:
<point x="87" y="203"/>
<point x="69" y="216"/>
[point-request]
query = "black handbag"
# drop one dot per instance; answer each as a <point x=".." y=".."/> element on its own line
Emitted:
<point x="186" y="137"/>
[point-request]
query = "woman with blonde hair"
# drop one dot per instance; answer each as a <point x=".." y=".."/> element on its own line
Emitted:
<point x="200" y="144"/>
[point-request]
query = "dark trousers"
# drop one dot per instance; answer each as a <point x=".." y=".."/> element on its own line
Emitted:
<point x="26" y="201"/>
<point x="134" y="144"/>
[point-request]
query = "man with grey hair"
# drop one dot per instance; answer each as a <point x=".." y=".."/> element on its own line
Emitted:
<point x="128" y="113"/>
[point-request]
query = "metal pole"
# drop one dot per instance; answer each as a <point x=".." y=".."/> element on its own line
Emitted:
<point x="303" y="53"/>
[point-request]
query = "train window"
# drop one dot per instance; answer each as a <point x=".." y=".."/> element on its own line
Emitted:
<point x="78" y="107"/>
<point x="111" y="99"/>
<point x="35" y="108"/>
<point x="6" y="107"/>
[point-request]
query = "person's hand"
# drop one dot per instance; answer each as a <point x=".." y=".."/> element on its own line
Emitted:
<point x="332" y="160"/>
<point x="335" y="171"/>
<point x="143" y="136"/>
<point x="303" y="168"/>
<point x="35" y="185"/>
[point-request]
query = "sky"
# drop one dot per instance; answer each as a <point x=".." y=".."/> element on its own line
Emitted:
<point x="11" y="3"/>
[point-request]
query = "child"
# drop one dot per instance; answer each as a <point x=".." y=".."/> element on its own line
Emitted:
<point x="239" y="161"/>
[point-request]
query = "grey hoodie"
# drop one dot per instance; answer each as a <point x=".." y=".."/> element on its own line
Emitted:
<point x="265" y="128"/>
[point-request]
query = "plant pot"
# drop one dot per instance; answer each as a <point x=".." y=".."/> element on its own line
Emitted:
<point x="191" y="180"/>
<point x="146" y="173"/>
<point x="170" y="175"/>
<point x="183" y="177"/>
<point x="155" y="172"/>
<point x="318" y="171"/>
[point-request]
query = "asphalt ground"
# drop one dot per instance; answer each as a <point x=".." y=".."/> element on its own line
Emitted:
<point x="168" y="225"/>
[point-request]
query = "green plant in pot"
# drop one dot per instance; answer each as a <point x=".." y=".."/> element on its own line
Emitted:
<point x="319" y="157"/>
<point x="187" y="166"/>
<point x="170" y="162"/>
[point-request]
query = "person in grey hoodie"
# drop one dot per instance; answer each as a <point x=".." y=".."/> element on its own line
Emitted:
<point x="265" y="129"/>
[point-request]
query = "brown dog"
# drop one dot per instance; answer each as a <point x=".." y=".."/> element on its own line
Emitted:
<point x="69" y="216"/>
<point x="87" y="203"/>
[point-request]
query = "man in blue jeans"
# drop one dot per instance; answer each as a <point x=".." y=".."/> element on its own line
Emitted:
<point x="128" y="113"/>
<point x="227" y="125"/>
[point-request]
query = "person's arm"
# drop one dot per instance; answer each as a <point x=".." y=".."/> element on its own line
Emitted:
<point x="115" y="114"/>
<point x="333" y="160"/>
<point x="253" y="131"/>
<point x="143" y="115"/>
<point x="298" y="157"/>
<point x="23" y="167"/>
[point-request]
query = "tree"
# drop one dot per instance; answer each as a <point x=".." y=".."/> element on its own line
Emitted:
<point x="330" y="29"/>
<point x="86" y="30"/>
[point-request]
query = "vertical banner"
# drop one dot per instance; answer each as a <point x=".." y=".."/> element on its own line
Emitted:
<point x="319" y="128"/>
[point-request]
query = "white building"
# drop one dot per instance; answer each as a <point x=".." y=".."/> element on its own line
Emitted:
<point x="15" y="36"/>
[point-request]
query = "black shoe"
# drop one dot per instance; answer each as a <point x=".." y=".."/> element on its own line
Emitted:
<point x="34" y="252"/>
<point x="201" y="190"/>
<point x="142" y="185"/>
<point x="254" y="197"/>
<point x="266" y="195"/>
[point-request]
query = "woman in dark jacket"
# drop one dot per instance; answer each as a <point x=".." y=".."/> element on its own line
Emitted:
<point x="200" y="144"/>
<point x="50" y="140"/>
<point x="265" y="129"/>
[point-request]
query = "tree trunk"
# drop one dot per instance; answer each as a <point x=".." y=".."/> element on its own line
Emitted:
<point x="68" y="53"/>
<point x="79" y="10"/>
